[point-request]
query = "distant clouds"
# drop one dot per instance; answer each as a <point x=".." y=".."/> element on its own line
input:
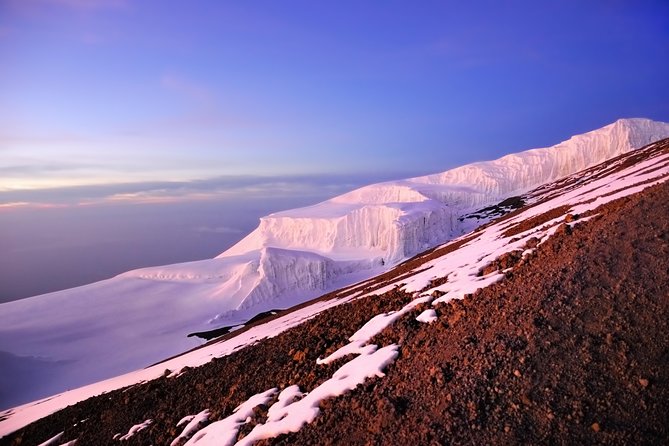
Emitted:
<point x="25" y="204"/>
<point x="231" y="188"/>
<point x="218" y="230"/>
<point x="139" y="92"/>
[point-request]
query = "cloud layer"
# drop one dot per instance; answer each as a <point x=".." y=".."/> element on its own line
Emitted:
<point x="229" y="188"/>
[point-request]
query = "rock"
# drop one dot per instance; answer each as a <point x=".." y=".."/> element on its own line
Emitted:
<point x="299" y="356"/>
<point x="489" y="269"/>
<point x="532" y="243"/>
<point x="595" y="427"/>
<point x="563" y="229"/>
<point x="644" y="382"/>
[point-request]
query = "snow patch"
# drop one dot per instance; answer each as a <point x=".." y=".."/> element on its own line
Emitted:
<point x="53" y="440"/>
<point x="224" y="432"/>
<point x="288" y="396"/>
<point x="135" y="429"/>
<point x="371" y="328"/>
<point x="427" y="316"/>
<point x="291" y="417"/>
<point x="194" y="424"/>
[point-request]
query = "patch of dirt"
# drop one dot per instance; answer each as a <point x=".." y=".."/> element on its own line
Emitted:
<point x="535" y="221"/>
<point x="505" y="261"/>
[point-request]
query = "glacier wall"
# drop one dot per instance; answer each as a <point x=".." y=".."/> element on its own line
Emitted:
<point x="395" y="220"/>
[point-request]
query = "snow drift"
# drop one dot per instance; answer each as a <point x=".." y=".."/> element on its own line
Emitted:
<point x="143" y="316"/>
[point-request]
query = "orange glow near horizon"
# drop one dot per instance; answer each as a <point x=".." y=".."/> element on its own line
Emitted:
<point x="8" y="207"/>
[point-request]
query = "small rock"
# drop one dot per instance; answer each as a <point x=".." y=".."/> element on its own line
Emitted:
<point x="517" y="373"/>
<point x="299" y="356"/>
<point x="644" y="382"/>
<point x="563" y="229"/>
<point x="532" y="243"/>
<point x="595" y="427"/>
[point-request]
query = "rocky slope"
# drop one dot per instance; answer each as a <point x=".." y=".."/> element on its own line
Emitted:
<point x="565" y="340"/>
<point x="293" y="256"/>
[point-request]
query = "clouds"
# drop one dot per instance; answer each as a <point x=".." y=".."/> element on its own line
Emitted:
<point x="173" y="90"/>
<point x="218" y="230"/>
<point x="224" y="188"/>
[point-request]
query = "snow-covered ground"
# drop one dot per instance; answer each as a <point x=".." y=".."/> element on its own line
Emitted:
<point x="461" y="266"/>
<point x="51" y="343"/>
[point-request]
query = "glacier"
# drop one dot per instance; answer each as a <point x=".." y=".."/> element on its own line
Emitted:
<point x="82" y="335"/>
<point x="397" y="219"/>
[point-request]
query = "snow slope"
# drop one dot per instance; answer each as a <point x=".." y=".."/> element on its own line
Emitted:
<point x="462" y="266"/>
<point x="140" y="317"/>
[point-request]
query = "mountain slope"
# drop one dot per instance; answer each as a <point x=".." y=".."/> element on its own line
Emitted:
<point x="293" y="256"/>
<point x="561" y="343"/>
<point x="570" y="348"/>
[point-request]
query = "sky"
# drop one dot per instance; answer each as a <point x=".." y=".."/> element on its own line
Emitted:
<point x="111" y="110"/>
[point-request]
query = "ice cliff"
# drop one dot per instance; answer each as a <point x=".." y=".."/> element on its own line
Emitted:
<point x="397" y="219"/>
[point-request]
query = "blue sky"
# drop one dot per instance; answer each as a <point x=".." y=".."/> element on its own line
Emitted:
<point x="116" y="91"/>
<point x="135" y="133"/>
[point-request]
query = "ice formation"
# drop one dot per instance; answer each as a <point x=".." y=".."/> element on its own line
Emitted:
<point x="397" y="219"/>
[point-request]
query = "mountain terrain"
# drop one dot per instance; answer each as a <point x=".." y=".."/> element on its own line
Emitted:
<point x="51" y="343"/>
<point x="545" y="324"/>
